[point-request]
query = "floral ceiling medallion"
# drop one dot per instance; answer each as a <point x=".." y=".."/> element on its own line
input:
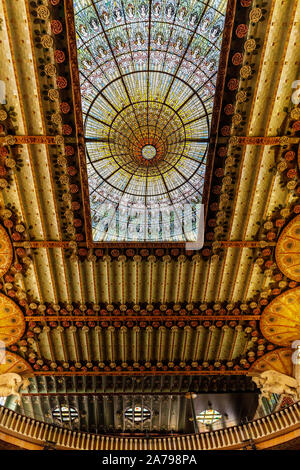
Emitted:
<point x="288" y="250"/>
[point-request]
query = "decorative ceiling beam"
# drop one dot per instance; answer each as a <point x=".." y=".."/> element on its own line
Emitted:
<point x="259" y="140"/>
<point x="66" y="244"/>
<point x="143" y="372"/>
<point x="237" y="140"/>
<point x="30" y="139"/>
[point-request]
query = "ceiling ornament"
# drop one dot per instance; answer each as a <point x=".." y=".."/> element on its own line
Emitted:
<point x="147" y="105"/>
<point x="14" y="363"/>
<point x="6" y="252"/>
<point x="279" y="360"/>
<point x="288" y="250"/>
<point x="12" y="323"/>
<point x="280" y="321"/>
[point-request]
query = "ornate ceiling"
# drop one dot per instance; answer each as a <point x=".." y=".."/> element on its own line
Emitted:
<point x="154" y="308"/>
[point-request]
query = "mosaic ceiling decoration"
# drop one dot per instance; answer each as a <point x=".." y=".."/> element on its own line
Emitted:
<point x="280" y="321"/>
<point x="148" y="72"/>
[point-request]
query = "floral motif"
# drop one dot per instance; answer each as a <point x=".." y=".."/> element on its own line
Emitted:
<point x="53" y="94"/>
<point x="43" y="12"/>
<point x="47" y="41"/>
<point x="289" y="156"/>
<point x="56" y="118"/>
<point x="234" y="140"/>
<point x="233" y="84"/>
<point x="295" y="113"/>
<point x="246" y="3"/>
<point x="237" y="58"/>
<point x="250" y="45"/>
<point x="245" y="71"/>
<point x="50" y="70"/>
<point x="219" y="172"/>
<point x="222" y="152"/>
<point x="255" y="15"/>
<point x="3" y="115"/>
<point x="59" y="56"/>
<point x="65" y="107"/>
<point x="225" y="131"/>
<point x="236" y="119"/>
<point x="66" y="129"/>
<point x="241" y="96"/>
<point x="296" y="126"/>
<point x="59" y="140"/>
<point x="69" y="150"/>
<point x="229" y="109"/>
<point x="241" y="30"/>
<point x="61" y="82"/>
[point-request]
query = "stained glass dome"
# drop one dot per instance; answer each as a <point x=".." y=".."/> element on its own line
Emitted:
<point x="65" y="413"/>
<point x="148" y="72"/>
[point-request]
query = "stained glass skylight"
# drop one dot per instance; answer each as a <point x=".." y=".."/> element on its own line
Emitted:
<point x="148" y="71"/>
<point x="208" y="416"/>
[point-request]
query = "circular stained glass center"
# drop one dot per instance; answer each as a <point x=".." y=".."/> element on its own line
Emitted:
<point x="138" y="414"/>
<point x="148" y="152"/>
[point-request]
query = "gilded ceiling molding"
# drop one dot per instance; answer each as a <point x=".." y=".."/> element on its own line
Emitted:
<point x="142" y="319"/>
<point x="30" y="139"/>
<point x="280" y="321"/>
<point x="288" y="250"/>
<point x="217" y="310"/>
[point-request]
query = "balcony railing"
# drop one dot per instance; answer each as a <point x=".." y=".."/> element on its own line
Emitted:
<point x="39" y="432"/>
